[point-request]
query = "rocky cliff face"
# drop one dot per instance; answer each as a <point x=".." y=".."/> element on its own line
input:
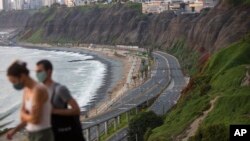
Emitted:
<point x="121" y="24"/>
<point x="14" y="19"/>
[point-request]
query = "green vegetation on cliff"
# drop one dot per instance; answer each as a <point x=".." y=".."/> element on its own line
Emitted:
<point x="70" y="23"/>
<point x="124" y="24"/>
<point x="142" y="123"/>
<point x="186" y="56"/>
<point x="221" y="77"/>
<point x="238" y="2"/>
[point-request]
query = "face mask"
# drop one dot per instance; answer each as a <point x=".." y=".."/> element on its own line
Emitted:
<point x="18" y="86"/>
<point x="41" y="76"/>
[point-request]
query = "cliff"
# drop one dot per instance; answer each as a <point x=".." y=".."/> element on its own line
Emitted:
<point x="124" y="24"/>
<point x="14" y="19"/>
<point x="193" y="38"/>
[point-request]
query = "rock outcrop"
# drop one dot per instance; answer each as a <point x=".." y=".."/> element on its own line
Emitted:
<point x="14" y="19"/>
<point x="122" y="24"/>
<point x="208" y="31"/>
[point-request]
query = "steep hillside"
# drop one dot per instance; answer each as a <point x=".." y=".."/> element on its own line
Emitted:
<point x="213" y="46"/>
<point x="200" y="34"/>
<point x="124" y="24"/>
<point x="14" y="19"/>
<point x="222" y="77"/>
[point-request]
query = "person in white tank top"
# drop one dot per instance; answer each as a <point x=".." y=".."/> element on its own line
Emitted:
<point x="45" y="110"/>
<point x="36" y="106"/>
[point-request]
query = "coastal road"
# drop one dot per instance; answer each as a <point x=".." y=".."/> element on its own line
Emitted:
<point x="168" y="97"/>
<point x="150" y="89"/>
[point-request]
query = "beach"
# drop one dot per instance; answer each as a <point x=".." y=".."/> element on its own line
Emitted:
<point x="119" y="67"/>
<point x="131" y="66"/>
<point x="117" y="79"/>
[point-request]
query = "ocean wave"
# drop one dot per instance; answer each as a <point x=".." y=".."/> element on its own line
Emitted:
<point x="83" y="78"/>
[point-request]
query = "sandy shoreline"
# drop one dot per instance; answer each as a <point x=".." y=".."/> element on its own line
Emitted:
<point x="112" y="75"/>
<point x="115" y="80"/>
<point x="124" y="84"/>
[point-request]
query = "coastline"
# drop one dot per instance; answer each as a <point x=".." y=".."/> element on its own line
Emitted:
<point x="121" y="67"/>
<point x="118" y="69"/>
<point x="113" y="74"/>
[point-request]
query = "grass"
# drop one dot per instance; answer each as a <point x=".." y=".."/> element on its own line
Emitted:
<point x="233" y="111"/>
<point x="223" y="73"/>
<point x="238" y="54"/>
<point x="123" y="124"/>
<point x="50" y="14"/>
<point x="186" y="111"/>
<point x="44" y="10"/>
<point x="36" y="37"/>
<point x="50" y="17"/>
<point x="186" y="56"/>
<point x="86" y="8"/>
<point x="134" y="5"/>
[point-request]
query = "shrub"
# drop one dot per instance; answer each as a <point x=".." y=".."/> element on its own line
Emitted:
<point x="142" y="122"/>
<point x="205" y="89"/>
<point x="215" y="132"/>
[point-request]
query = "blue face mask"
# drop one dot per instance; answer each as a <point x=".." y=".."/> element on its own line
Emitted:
<point x="41" y="76"/>
<point x="18" y="86"/>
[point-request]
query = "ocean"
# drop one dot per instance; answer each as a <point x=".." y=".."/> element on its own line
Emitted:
<point x="82" y="74"/>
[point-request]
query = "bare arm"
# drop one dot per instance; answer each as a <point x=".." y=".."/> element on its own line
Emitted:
<point x="19" y="127"/>
<point x="75" y="110"/>
<point x="40" y="97"/>
<point x="13" y="131"/>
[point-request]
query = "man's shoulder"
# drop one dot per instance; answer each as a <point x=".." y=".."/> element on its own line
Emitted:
<point x="60" y="87"/>
<point x="62" y="91"/>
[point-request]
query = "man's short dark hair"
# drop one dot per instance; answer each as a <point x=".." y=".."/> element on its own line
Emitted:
<point x="46" y="64"/>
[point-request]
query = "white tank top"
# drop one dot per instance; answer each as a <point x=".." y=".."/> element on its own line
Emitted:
<point x="45" y="121"/>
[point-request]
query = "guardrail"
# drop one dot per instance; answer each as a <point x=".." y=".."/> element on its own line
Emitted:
<point x="168" y="98"/>
<point x="93" y="127"/>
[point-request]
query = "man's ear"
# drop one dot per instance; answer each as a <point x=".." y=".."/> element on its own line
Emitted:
<point x="49" y="72"/>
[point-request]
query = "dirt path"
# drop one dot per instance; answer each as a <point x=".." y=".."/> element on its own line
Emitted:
<point x="195" y="124"/>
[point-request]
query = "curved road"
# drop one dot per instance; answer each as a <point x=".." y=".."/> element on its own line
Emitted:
<point x="168" y="97"/>
<point x="164" y="67"/>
